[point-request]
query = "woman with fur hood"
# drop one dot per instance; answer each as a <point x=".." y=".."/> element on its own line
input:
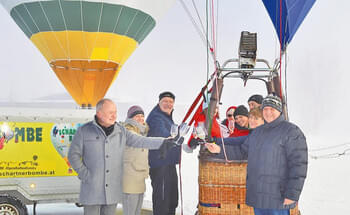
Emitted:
<point x="136" y="168"/>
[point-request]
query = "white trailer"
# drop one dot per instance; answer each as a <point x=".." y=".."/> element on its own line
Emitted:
<point x="33" y="157"/>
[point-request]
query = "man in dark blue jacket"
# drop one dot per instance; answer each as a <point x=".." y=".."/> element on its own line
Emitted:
<point x="277" y="161"/>
<point x="163" y="170"/>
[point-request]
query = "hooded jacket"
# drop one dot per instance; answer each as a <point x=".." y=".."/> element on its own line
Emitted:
<point x="136" y="168"/>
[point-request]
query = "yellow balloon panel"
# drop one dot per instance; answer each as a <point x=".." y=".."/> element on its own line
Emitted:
<point x="86" y="81"/>
<point x="84" y="45"/>
<point x="86" y="62"/>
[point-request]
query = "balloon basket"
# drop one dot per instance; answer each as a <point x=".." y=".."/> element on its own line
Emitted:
<point x="222" y="188"/>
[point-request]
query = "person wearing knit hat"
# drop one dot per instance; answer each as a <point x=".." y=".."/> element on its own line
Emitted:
<point x="163" y="173"/>
<point x="135" y="164"/>
<point x="166" y="94"/>
<point x="134" y="110"/>
<point x="272" y="108"/>
<point x="166" y="102"/>
<point x="277" y="157"/>
<point x="255" y="101"/>
<point x="241" y="122"/>
<point x="96" y="154"/>
<point x="241" y="116"/>
<point x="272" y="101"/>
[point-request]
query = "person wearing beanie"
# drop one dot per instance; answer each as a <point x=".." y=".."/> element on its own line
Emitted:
<point x="166" y="94"/>
<point x="255" y="101"/>
<point x="96" y="154"/>
<point x="277" y="158"/>
<point x="164" y="179"/>
<point x="241" y="122"/>
<point x="135" y="110"/>
<point x="135" y="164"/>
<point x="273" y="102"/>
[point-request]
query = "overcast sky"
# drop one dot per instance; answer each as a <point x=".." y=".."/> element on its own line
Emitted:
<point x="173" y="58"/>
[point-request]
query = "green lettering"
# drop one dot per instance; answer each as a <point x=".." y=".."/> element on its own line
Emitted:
<point x="39" y="134"/>
<point x="19" y="132"/>
<point x="30" y="134"/>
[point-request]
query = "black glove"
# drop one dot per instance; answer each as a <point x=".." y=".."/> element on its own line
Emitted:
<point x="194" y="143"/>
<point x="209" y="139"/>
<point x="166" y="146"/>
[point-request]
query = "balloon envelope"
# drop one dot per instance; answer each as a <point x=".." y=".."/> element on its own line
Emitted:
<point x="86" y="42"/>
<point x="292" y="15"/>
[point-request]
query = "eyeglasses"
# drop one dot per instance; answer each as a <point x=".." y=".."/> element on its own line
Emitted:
<point x="229" y="115"/>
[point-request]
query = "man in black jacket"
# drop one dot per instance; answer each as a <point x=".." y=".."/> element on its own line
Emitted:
<point x="277" y="161"/>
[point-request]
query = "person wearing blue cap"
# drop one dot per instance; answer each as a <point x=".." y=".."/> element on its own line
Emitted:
<point x="163" y="173"/>
<point x="255" y="101"/>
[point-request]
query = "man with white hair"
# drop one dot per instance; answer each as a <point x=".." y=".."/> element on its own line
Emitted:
<point x="96" y="154"/>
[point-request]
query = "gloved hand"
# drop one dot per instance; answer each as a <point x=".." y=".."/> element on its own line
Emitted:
<point x="194" y="143"/>
<point x="168" y="144"/>
<point x="209" y="139"/>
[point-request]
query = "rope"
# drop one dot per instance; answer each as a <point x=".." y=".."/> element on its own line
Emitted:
<point x="346" y="152"/>
<point x="328" y="147"/>
<point x="281" y="49"/>
<point x="200" y="33"/>
<point x="180" y="177"/>
<point x="199" y="18"/>
<point x="213" y="32"/>
<point x="217" y="25"/>
<point x="285" y="80"/>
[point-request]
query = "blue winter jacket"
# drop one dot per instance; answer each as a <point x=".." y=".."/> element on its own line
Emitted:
<point x="277" y="164"/>
<point x="159" y="126"/>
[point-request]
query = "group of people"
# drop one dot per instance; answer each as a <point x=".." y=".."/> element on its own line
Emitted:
<point x="113" y="159"/>
<point x="276" y="152"/>
<point x="239" y="121"/>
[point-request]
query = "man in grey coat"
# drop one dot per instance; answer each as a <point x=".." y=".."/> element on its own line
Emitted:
<point x="96" y="154"/>
<point x="277" y="161"/>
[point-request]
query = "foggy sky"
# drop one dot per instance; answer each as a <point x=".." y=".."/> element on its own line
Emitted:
<point x="173" y="58"/>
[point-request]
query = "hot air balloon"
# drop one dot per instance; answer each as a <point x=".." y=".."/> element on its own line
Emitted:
<point x="86" y="42"/>
<point x="291" y="15"/>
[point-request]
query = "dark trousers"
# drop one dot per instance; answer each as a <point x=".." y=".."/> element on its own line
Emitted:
<point x="258" y="211"/>
<point x="165" y="193"/>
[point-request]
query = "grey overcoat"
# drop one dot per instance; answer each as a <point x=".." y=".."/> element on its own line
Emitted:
<point x="98" y="160"/>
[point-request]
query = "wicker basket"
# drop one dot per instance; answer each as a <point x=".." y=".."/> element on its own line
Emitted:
<point x="222" y="188"/>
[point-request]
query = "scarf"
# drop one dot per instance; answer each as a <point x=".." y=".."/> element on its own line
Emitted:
<point x="142" y="127"/>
